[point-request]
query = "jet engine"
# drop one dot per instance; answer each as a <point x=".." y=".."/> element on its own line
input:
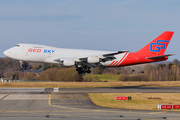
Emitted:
<point x="94" y="59"/>
<point x="69" y="62"/>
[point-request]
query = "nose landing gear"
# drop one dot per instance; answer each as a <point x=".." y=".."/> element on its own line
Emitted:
<point x="21" y="64"/>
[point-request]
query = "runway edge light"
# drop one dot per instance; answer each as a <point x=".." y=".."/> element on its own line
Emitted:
<point x="129" y="98"/>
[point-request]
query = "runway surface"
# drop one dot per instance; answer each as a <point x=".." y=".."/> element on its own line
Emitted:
<point x="71" y="104"/>
<point x="94" y="90"/>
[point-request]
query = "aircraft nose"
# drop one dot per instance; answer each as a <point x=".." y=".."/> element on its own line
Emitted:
<point x="7" y="52"/>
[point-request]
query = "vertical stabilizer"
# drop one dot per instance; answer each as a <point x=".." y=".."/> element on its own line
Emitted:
<point x="158" y="45"/>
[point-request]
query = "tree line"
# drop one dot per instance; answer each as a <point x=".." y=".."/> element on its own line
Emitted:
<point x="166" y="71"/>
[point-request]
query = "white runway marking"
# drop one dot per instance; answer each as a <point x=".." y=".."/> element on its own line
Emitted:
<point x="27" y="97"/>
<point x="56" y="89"/>
<point x="156" y="112"/>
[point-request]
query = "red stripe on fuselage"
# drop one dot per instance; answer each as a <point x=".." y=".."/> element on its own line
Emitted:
<point x="123" y="59"/>
<point x="111" y="63"/>
<point x="114" y="64"/>
<point x="120" y="60"/>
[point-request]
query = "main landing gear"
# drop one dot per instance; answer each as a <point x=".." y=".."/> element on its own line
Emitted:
<point x="83" y="69"/>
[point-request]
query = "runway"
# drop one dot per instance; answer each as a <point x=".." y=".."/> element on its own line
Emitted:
<point x="70" y="104"/>
<point x="93" y="90"/>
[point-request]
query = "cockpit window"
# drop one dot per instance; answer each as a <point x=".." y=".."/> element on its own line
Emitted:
<point x="17" y="45"/>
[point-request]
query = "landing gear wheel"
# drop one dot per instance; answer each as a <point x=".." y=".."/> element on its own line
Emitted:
<point x="79" y="72"/>
<point x="88" y="71"/>
<point x="83" y="69"/>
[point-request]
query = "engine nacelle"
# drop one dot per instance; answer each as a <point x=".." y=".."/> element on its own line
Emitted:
<point x="69" y="62"/>
<point x="94" y="59"/>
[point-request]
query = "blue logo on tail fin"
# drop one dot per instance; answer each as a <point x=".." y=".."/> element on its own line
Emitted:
<point x="158" y="49"/>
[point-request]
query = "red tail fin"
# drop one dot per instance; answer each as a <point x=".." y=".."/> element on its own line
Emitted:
<point x="158" y="45"/>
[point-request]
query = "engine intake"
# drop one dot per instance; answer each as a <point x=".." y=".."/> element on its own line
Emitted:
<point x="94" y="59"/>
<point x="69" y="62"/>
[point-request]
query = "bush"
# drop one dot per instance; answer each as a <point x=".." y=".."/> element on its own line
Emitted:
<point x="29" y="76"/>
<point x="69" y="74"/>
<point x="133" y="78"/>
<point x="61" y="74"/>
<point x="91" y="79"/>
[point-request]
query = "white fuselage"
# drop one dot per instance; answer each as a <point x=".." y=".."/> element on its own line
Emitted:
<point x="48" y="54"/>
<point x="84" y="59"/>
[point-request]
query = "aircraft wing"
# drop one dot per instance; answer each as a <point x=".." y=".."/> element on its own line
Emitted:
<point x="103" y="56"/>
<point x="159" y="57"/>
<point x="84" y="59"/>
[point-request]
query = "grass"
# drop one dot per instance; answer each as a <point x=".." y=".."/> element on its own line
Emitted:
<point x="91" y="84"/>
<point x="105" y="77"/>
<point x="141" y="101"/>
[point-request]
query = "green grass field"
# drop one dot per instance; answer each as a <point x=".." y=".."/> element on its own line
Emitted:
<point x="108" y="78"/>
<point x="141" y="101"/>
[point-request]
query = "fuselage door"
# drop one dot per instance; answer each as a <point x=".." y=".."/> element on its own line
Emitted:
<point x="25" y="51"/>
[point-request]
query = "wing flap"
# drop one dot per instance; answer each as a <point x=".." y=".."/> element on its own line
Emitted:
<point x="114" y="53"/>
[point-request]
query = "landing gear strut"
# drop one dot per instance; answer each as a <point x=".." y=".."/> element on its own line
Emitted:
<point x="21" y="64"/>
<point x="83" y="69"/>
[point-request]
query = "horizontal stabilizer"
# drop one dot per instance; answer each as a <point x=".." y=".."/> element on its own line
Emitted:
<point x="159" y="57"/>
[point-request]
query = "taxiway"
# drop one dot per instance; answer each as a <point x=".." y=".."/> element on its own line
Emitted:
<point x="72" y="103"/>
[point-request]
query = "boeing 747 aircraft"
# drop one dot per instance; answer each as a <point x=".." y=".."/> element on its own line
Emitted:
<point x="86" y="59"/>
